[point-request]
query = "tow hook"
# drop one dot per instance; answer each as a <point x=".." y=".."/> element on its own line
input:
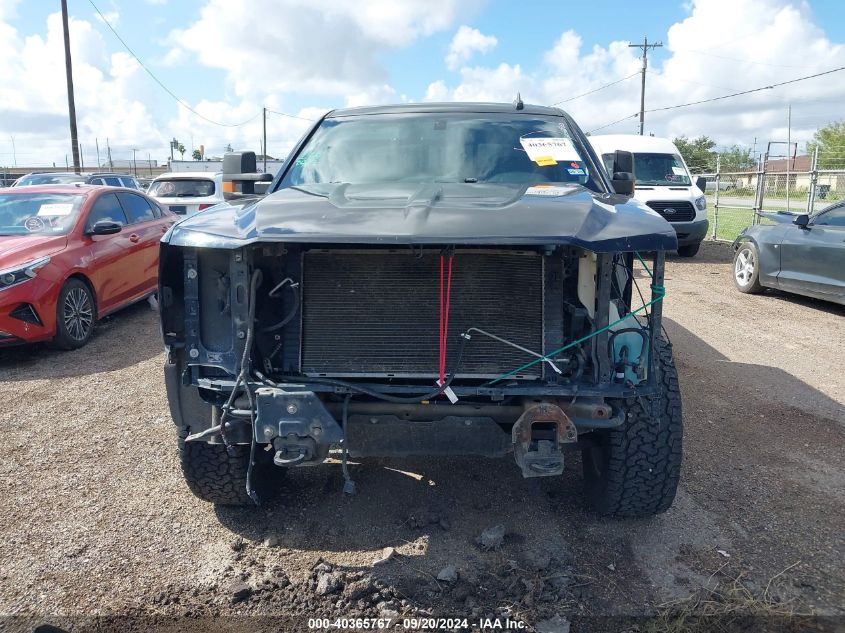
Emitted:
<point x="291" y="455"/>
<point x="538" y="437"/>
<point x="297" y="424"/>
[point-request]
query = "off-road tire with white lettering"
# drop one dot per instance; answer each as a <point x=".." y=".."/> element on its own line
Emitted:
<point x="214" y="475"/>
<point x="633" y="470"/>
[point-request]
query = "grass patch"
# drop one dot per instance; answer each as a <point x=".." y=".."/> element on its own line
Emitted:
<point x="730" y="224"/>
<point x="731" y="605"/>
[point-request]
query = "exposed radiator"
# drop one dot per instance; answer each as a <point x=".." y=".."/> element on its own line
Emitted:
<point x="376" y="313"/>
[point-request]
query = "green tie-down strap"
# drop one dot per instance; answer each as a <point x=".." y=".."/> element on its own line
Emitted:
<point x="660" y="291"/>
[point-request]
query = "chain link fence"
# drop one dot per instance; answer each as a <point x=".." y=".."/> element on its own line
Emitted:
<point x="735" y="198"/>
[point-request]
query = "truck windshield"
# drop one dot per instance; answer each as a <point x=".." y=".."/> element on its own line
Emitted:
<point x="660" y="170"/>
<point x="443" y="148"/>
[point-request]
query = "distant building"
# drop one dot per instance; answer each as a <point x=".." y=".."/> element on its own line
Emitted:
<point x="796" y="170"/>
<point x="129" y="164"/>
<point x="215" y="165"/>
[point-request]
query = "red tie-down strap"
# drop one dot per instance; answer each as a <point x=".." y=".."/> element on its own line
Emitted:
<point x="444" y="311"/>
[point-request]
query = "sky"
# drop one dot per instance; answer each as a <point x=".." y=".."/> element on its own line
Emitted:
<point x="227" y="59"/>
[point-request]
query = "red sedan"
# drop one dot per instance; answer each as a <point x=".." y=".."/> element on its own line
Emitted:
<point x="71" y="254"/>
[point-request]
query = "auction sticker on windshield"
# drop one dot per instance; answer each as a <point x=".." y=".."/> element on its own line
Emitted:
<point x="558" y="149"/>
<point x="56" y="209"/>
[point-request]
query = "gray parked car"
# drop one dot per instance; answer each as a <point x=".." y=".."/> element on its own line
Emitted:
<point x="804" y="254"/>
<point x="110" y="179"/>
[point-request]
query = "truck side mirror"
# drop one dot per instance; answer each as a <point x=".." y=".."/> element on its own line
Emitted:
<point x="701" y="183"/>
<point x="623" y="162"/>
<point x="623" y="183"/>
<point x="802" y="221"/>
<point x="623" y="173"/>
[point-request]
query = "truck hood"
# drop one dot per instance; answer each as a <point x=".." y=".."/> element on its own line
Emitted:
<point x="431" y="213"/>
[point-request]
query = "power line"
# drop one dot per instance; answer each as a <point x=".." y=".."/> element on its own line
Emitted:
<point x="291" y="116"/>
<point x="728" y="96"/>
<point x="735" y="59"/>
<point x="624" y="118"/>
<point x="698" y="83"/>
<point x="612" y="83"/>
<point x="745" y="92"/>
<point x="159" y="82"/>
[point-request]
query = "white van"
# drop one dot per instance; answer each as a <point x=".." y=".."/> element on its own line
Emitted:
<point x="185" y="193"/>
<point x="663" y="183"/>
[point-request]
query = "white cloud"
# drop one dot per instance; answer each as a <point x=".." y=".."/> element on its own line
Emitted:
<point x="328" y="52"/>
<point x="763" y="42"/>
<point x="320" y="47"/>
<point x="466" y="42"/>
<point x="112" y="17"/>
<point x="484" y="84"/>
<point x="437" y="91"/>
<point x="8" y="9"/>
<point x="109" y="88"/>
<point x="325" y="53"/>
<point x="374" y="95"/>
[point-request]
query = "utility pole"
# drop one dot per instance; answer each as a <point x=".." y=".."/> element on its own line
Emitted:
<point x="108" y="149"/>
<point x="14" y="151"/>
<point x="134" y="164"/>
<point x="97" y="143"/>
<point x="788" y="150"/>
<point x="644" y="46"/>
<point x="71" y="105"/>
<point x="265" y="140"/>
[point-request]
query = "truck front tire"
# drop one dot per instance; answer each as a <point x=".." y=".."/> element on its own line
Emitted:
<point x="633" y="470"/>
<point x="214" y="475"/>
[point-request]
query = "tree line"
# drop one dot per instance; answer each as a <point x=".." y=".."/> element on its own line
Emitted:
<point x="700" y="153"/>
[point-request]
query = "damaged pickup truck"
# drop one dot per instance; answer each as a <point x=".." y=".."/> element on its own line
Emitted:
<point x="426" y="280"/>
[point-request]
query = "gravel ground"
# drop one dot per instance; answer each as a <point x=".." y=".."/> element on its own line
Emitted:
<point x="96" y="520"/>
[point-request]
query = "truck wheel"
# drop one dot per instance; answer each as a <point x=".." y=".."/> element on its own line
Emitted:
<point x="689" y="250"/>
<point x="633" y="470"/>
<point x="214" y="475"/>
<point x="747" y="269"/>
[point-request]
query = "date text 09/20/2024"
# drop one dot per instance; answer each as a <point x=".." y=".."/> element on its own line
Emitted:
<point x="414" y="624"/>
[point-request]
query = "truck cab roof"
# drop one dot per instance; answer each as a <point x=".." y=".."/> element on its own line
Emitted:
<point x="468" y="107"/>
